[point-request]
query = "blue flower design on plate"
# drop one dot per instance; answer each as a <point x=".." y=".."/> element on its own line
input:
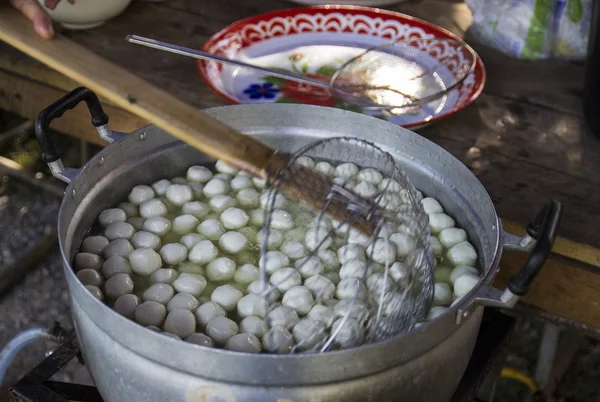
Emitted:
<point x="266" y="90"/>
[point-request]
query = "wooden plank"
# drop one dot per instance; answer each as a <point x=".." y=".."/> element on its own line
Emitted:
<point x="27" y="98"/>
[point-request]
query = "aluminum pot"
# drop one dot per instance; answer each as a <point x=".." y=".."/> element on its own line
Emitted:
<point x="131" y="363"/>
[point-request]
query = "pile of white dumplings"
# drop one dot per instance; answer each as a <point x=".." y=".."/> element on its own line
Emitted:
<point x="181" y="257"/>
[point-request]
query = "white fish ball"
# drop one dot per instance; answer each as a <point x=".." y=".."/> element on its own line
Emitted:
<point x="126" y="305"/>
<point x="349" y="288"/>
<point x="439" y="222"/>
<point x="271" y="261"/>
<point x="400" y="273"/>
<point x="150" y="313"/>
<point x="216" y="187"/>
<point x="405" y="244"/>
<point x="357" y="237"/>
<point x="223" y="167"/>
<point x="353" y="309"/>
<point x="173" y="253"/>
<point x="203" y="252"/>
<point x="130" y="210"/>
<point x="153" y="207"/>
<point x="351" y="252"/>
<point x="245" y="343"/>
<point x="211" y="228"/>
<point x="94" y="245"/>
<point x="115" y="265"/>
<point x="351" y="333"/>
<point x="164" y="275"/>
<point x="285" y="316"/>
<point x="180" y="322"/>
<point x="143" y="239"/>
<point x="207" y="312"/>
<point x="227" y="296"/>
<point x="246" y="274"/>
<point x="281" y="220"/>
<point x="270" y="293"/>
<point x="370" y="175"/>
<point x="90" y="277"/>
<point x="285" y="278"/>
<point x="200" y="339"/>
<point x="253" y="325"/>
<point x="159" y="292"/>
<point x="465" y="283"/>
<point x="322" y="314"/>
<point x="120" y="247"/>
<point x="88" y="261"/>
<point x="318" y="238"/>
<point x="157" y="225"/>
<point x="144" y="261"/>
<point x="160" y="187"/>
<point x="378" y="283"/>
<point x="299" y="298"/>
<point x="437" y="247"/>
<point x="184" y="224"/>
<point x="293" y="249"/>
<point x="321" y="287"/>
<point x="329" y="259"/>
<point x="252" y="305"/>
<point x="435" y="312"/>
<point x="390" y="201"/>
<point x="139" y="194"/>
<point x="240" y="182"/>
<point x="220" y="203"/>
<point x="270" y="197"/>
<point x="346" y="170"/>
<point x="193" y="284"/>
<point x="118" y="285"/>
<point x="273" y="237"/>
<point x="277" y="340"/>
<point x="220" y="329"/>
<point x="309" y="266"/>
<point x="248" y="197"/>
<point x="325" y="168"/>
<point x="461" y="270"/>
<point x="462" y="254"/>
<point x="190" y="240"/>
<point x="95" y="291"/>
<point x="199" y="174"/>
<point x="221" y="269"/>
<point x="450" y="237"/>
<point x="431" y="206"/>
<point x="309" y="334"/>
<point x="183" y="301"/>
<point x="196" y="208"/>
<point x="179" y="194"/>
<point x="442" y="294"/>
<point x="366" y="189"/>
<point x="234" y="218"/>
<point x="111" y="215"/>
<point x="233" y="242"/>
<point x="390" y="185"/>
<point x="355" y="268"/>
<point x="382" y="251"/>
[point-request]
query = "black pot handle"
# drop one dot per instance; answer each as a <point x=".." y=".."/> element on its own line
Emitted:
<point x="543" y="229"/>
<point x="42" y="124"/>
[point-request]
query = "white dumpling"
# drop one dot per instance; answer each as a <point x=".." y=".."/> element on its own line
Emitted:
<point x="150" y="313"/>
<point x="196" y="208"/>
<point x="321" y="287"/>
<point x="211" y="228"/>
<point x="355" y="268"/>
<point x="223" y="167"/>
<point x="94" y="244"/>
<point x="159" y="292"/>
<point x="252" y="305"/>
<point x="346" y="170"/>
<point x="88" y="261"/>
<point x="201" y="339"/>
<point x="370" y="175"/>
<point x="442" y="294"/>
<point x="115" y="265"/>
<point x="400" y="273"/>
<point x="281" y="220"/>
<point x="139" y="194"/>
<point x="90" y="277"/>
<point x="357" y="237"/>
<point x="277" y="340"/>
<point x="126" y="305"/>
<point x="309" y="334"/>
<point x="439" y="222"/>
<point x="379" y="283"/>
<point x="285" y="316"/>
<point x="246" y="274"/>
<point x="462" y="254"/>
<point x="437" y="247"/>
<point x="233" y="242"/>
<point x="271" y="261"/>
<point x="203" y="252"/>
<point x="348" y="288"/>
<point x="118" y="285"/>
<point x="450" y="237"/>
<point x="436" y="312"/>
<point x="248" y="197"/>
<point x="183" y="301"/>
<point x="153" y="207"/>
<point x="240" y="182"/>
<point x="348" y="332"/>
<point x="273" y="237"/>
<point x="389" y="185"/>
<point x="184" y="224"/>
<point x="299" y="298"/>
<point x="220" y="203"/>
<point x="143" y="239"/>
<point x="158" y="225"/>
<point x="382" y="251"/>
<point x="465" y="283"/>
<point x="144" y="261"/>
<point x="322" y="314"/>
<point x="329" y="260"/>
<point x="293" y="249"/>
<point x="271" y="200"/>
<point x="193" y="284"/>
<point x="227" y="296"/>
<point x="160" y="187"/>
<point x="180" y="322"/>
<point x="215" y="187"/>
<point x="199" y="174"/>
<point x="221" y="269"/>
<point x="120" y="247"/>
<point x="306" y="161"/>
<point x="179" y="194"/>
<point x="253" y="325"/>
<point x="325" y="168"/>
<point x="309" y="266"/>
<point x="245" y="343"/>
<point x="220" y="329"/>
<point x="318" y="238"/>
<point x="431" y="206"/>
<point x="285" y="278"/>
<point x="207" y="312"/>
<point x="173" y="253"/>
<point x="111" y="215"/>
<point x="366" y="189"/>
<point x="405" y="244"/>
<point x="119" y="230"/>
<point x="460" y="270"/>
<point x="234" y="218"/>
<point x="351" y="252"/>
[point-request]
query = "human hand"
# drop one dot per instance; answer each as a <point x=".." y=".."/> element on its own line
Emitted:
<point x="42" y="23"/>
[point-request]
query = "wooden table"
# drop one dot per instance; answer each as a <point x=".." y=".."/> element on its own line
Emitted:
<point x="525" y="137"/>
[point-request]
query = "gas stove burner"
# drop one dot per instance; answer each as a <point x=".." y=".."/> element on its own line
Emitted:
<point x="476" y="385"/>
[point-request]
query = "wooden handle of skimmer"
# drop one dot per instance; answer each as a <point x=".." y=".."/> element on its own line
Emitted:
<point x="137" y="96"/>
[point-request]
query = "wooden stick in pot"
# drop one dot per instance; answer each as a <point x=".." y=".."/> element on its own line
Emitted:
<point x="172" y="115"/>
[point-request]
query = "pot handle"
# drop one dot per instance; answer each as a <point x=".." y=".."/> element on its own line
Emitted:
<point x="539" y="240"/>
<point x="50" y="154"/>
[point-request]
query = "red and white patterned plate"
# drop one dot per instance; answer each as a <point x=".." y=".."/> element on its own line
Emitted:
<point x="316" y="41"/>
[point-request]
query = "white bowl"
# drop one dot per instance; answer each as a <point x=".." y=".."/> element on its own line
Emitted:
<point x="86" y="14"/>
